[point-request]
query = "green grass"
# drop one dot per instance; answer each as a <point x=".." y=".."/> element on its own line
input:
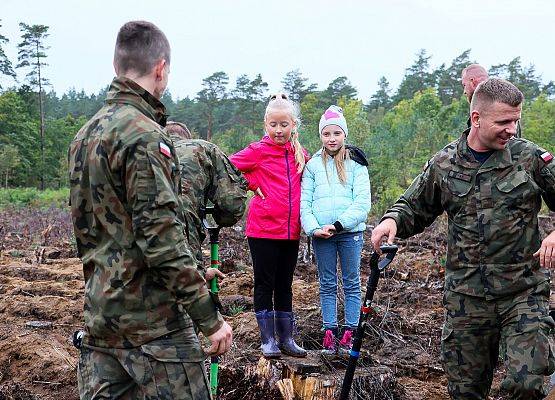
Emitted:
<point x="236" y="309"/>
<point x="25" y="197"/>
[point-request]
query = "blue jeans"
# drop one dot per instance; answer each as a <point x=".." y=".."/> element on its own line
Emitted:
<point x="348" y="246"/>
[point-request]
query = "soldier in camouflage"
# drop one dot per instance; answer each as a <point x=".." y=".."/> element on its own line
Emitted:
<point x="142" y="289"/>
<point x="206" y="176"/>
<point x="491" y="186"/>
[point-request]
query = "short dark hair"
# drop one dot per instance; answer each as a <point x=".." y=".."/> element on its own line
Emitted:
<point x="139" y="46"/>
<point x="496" y="90"/>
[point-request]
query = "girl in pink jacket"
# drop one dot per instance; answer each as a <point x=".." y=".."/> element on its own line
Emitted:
<point x="273" y="167"/>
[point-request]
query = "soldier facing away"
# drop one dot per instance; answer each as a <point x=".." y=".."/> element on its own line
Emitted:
<point x="496" y="281"/>
<point x="142" y="288"/>
<point x="207" y="175"/>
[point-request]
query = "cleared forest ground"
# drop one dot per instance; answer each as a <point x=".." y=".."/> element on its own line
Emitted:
<point x="41" y="292"/>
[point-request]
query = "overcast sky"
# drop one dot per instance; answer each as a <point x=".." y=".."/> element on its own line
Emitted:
<point x="362" y="40"/>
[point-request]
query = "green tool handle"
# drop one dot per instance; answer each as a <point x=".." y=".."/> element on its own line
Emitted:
<point x="214" y="376"/>
<point x="214" y="263"/>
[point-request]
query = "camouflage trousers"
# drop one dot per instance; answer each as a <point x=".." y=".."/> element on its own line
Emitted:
<point x="475" y="328"/>
<point x="170" y="367"/>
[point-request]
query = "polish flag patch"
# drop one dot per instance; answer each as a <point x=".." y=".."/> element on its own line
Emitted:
<point x="165" y="150"/>
<point x="546" y="157"/>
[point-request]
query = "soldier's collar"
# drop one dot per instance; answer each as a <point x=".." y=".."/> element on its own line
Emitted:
<point x="499" y="159"/>
<point x="464" y="156"/>
<point x="127" y="91"/>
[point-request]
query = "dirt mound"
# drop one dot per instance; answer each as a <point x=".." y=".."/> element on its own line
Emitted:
<point x="41" y="304"/>
<point x="40" y="307"/>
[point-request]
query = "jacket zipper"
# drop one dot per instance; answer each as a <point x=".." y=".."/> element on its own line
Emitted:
<point x="289" y="183"/>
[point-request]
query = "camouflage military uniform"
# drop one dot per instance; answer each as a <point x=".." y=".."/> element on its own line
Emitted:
<point x="140" y="277"/>
<point x="495" y="289"/>
<point x="208" y="175"/>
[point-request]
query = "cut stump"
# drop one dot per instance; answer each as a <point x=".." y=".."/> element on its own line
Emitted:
<point x="297" y="378"/>
<point x="316" y="378"/>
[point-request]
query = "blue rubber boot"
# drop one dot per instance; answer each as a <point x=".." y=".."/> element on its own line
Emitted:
<point x="269" y="345"/>
<point x="284" y="329"/>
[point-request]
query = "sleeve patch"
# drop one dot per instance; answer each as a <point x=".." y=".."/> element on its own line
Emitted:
<point x="546" y="157"/>
<point x="165" y="149"/>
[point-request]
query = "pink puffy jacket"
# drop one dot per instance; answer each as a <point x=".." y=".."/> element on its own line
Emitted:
<point x="271" y="167"/>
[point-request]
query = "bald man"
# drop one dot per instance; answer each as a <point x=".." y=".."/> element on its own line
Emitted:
<point x="471" y="77"/>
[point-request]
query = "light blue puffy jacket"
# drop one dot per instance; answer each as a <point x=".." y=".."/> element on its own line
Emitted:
<point x="325" y="202"/>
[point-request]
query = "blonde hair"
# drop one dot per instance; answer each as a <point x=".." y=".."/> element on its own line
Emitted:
<point x="280" y="101"/>
<point x="339" y="159"/>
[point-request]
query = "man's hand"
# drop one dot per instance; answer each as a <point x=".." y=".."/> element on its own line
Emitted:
<point x="220" y="340"/>
<point x="386" y="228"/>
<point x="213" y="272"/>
<point x="322" y="234"/>
<point x="546" y="253"/>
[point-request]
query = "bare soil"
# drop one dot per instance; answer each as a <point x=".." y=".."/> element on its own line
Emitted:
<point x="41" y="300"/>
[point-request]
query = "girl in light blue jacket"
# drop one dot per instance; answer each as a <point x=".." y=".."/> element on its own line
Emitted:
<point x="335" y="201"/>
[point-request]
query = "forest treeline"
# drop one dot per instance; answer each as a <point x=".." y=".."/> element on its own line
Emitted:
<point x="399" y="128"/>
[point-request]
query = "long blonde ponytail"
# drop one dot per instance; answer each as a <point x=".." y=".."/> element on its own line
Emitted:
<point x="299" y="154"/>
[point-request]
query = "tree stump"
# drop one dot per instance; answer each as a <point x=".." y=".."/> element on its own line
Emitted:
<point x="319" y="378"/>
<point x="298" y="378"/>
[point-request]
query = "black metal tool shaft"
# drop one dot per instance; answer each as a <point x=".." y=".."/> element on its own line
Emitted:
<point x="376" y="267"/>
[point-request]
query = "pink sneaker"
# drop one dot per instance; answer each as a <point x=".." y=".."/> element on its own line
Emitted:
<point x="347" y="339"/>
<point x="329" y="340"/>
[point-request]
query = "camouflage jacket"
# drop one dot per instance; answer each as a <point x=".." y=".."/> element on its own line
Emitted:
<point x="140" y="276"/>
<point x="493" y="214"/>
<point x="208" y="176"/>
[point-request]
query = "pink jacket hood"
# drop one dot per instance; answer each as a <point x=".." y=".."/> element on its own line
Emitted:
<point x="271" y="167"/>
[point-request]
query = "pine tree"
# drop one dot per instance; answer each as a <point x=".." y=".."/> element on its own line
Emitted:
<point x="382" y="97"/>
<point x="32" y="52"/>
<point x="296" y="86"/>
<point x="212" y="94"/>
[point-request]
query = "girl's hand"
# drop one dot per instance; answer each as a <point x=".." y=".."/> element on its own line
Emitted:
<point x="258" y="192"/>
<point x="329" y="229"/>
<point x="322" y="234"/>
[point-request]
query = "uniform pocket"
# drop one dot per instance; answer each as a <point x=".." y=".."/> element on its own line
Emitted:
<point x="458" y="188"/>
<point x="456" y="197"/>
<point x="176" y="367"/>
<point x="544" y="359"/>
<point x="180" y="346"/>
<point x="459" y="184"/>
<point x="448" y="356"/>
<point x="516" y="193"/>
<point x="512" y="182"/>
<point x="177" y="381"/>
<point x="83" y="374"/>
<point x="157" y="182"/>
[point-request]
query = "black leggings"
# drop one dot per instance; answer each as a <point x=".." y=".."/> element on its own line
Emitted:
<point x="273" y="262"/>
